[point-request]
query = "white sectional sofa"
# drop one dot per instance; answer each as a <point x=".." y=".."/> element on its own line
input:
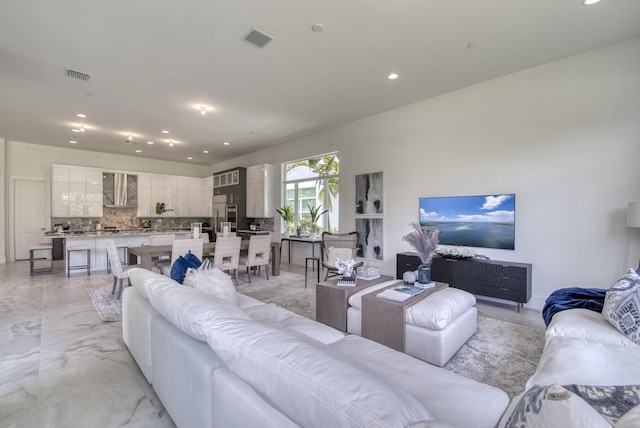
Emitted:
<point x="582" y="349"/>
<point x="217" y="364"/>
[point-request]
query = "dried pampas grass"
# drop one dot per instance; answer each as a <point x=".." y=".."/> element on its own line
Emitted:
<point x="424" y="242"/>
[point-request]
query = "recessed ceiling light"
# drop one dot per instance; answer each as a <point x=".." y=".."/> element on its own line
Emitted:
<point x="150" y="142"/>
<point x="205" y="151"/>
<point x="590" y="2"/>
<point x="189" y="158"/>
<point x="392" y="76"/>
<point x="203" y="109"/>
<point x="138" y="151"/>
<point x="317" y="28"/>
<point x="226" y="143"/>
<point x="165" y="132"/>
<point x="472" y="45"/>
<point x="73" y="142"/>
<point x="81" y="115"/>
<point x="75" y="130"/>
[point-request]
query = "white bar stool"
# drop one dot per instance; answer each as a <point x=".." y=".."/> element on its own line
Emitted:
<point x="45" y="247"/>
<point x="125" y="253"/>
<point x="74" y="248"/>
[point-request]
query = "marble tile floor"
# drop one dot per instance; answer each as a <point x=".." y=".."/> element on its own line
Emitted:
<point x="61" y="366"/>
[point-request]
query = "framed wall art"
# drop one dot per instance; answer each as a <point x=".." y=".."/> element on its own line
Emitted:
<point x="369" y="194"/>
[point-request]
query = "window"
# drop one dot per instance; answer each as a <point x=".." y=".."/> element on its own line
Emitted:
<point x="312" y="185"/>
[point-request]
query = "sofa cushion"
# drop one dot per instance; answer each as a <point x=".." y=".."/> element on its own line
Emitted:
<point x="622" y="305"/>
<point x="570" y="360"/>
<point x="436" y="311"/>
<point x="181" y="264"/>
<point x="276" y="316"/>
<point x="185" y="307"/>
<point x="307" y="381"/>
<point x="554" y="406"/>
<point x="212" y="281"/>
<point x="448" y="396"/>
<point x="586" y="324"/>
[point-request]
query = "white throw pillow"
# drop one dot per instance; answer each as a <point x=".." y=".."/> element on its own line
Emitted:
<point x="622" y="305"/>
<point x="334" y="253"/>
<point x="212" y="281"/>
<point x="554" y="407"/>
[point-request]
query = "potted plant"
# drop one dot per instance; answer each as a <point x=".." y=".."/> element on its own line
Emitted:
<point x="314" y="216"/>
<point x="161" y="208"/>
<point x="288" y="216"/>
<point x="425" y="243"/>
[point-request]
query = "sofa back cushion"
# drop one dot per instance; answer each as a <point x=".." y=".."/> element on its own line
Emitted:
<point x="622" y="305"/>
<point x="307" y="381"/>
<point x="184" y="307"/>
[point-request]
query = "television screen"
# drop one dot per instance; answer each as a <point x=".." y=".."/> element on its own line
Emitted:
<point x="474" y="221"/>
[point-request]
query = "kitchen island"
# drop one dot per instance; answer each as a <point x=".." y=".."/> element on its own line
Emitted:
<point x="96" y="241"/>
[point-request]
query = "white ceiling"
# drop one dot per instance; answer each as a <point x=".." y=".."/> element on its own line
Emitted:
<point x="153" y="62"/>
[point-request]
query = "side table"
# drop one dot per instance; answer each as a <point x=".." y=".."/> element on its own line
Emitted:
<point x="383" y="320"/>
<point x="331" y="300"/>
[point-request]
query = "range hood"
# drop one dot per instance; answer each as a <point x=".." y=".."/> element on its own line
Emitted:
<point x="120" y="190"/>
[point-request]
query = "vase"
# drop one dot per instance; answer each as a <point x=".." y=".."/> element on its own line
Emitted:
<point x="424" y="274"/>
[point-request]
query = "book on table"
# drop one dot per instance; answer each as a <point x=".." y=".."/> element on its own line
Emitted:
<point x="425" y="286"/>
<point x="347" y="281"/>
<point x="400" y="293"/>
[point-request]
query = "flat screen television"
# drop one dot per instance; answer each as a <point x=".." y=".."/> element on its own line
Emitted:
<point x="486" y="221"/>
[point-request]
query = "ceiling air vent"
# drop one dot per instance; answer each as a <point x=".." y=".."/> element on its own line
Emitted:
<point x="76" y="74"/>
<point x="258" y="38"/>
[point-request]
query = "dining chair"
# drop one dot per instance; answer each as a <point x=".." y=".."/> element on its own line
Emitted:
<point x="119" y="272"/>
<point x="180" y="247"/>
<point x="226" y="255"/>
<point x="341" y="246"/>
<point x="257" y="255"/>
<point x="164" y="239"/>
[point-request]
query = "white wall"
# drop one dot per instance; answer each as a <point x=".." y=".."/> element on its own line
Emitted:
<point x="564" y="137"/>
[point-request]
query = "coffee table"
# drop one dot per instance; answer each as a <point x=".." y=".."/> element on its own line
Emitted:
<point x="383" y="320"/>
<point x="331" y="300"/>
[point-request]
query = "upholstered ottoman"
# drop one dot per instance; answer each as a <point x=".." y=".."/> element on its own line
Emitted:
<point x="435" y="327"/>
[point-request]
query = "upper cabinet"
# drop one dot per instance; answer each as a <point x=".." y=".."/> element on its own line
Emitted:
<point x="76" y="191"/>
<point x="260" y="191"/>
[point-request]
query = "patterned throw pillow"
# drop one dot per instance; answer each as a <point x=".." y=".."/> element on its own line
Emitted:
<point x="622" y="305"/>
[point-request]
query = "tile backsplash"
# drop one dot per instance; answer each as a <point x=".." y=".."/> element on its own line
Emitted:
<point x="124" y="218"/>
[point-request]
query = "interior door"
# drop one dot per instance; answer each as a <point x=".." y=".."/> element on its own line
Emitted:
<point x="30" y="215"/>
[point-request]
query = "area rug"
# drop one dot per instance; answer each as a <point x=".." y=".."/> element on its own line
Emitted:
<point x="108" y="306"/>
<point x="500" y="353"/>
<point x="260" y="283"/>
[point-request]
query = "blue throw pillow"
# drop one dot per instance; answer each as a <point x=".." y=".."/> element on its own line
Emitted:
<point x="180" y="266"/>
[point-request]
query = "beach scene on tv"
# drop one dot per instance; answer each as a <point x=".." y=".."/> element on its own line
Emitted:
<point x="486" y="221"/>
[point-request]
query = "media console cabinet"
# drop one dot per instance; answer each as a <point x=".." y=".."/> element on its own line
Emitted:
<point x="492" y="278"/>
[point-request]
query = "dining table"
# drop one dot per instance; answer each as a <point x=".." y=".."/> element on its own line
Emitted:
<point x="143" y="256"/>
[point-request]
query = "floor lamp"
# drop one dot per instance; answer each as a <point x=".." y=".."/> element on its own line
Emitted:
<point x="633" y="216"/>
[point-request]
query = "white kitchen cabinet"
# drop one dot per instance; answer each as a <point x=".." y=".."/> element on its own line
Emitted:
<point x="260" y="191"/>
<point x="76" y="191"/>
<point x="146" y="206"/>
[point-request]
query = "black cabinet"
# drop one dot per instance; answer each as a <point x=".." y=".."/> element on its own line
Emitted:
<point x="492" y="278"/>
